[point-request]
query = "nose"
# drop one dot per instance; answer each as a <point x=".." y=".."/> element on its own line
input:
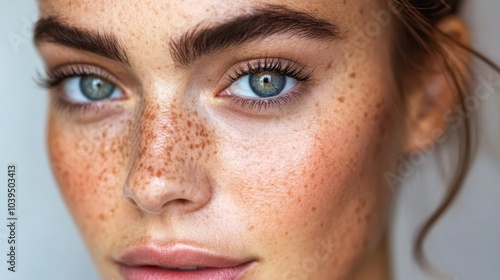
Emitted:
<point x="166" y="170"/>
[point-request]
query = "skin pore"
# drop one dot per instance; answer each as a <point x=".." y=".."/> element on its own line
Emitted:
<point x="179" y="156"/>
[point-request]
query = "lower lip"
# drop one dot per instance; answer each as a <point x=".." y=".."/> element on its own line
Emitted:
<point x="156" y="273"/>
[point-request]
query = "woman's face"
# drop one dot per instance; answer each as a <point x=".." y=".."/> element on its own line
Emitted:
<point x="243" y="134"/>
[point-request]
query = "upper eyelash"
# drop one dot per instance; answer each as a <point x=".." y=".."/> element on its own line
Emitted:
<point x="54" y="78"/>
<point x="285" y="67"/>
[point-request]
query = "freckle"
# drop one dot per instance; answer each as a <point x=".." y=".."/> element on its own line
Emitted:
<point x="367" y="217"/>
<point x="189" y="123"/>
<point x="102" y="217"/>
<point x="366" y="115"/>
<point x="250" y="228"/>
<point x="341" y="99"/>
<point x="352" y="75"/>
<point x="313" y="209"/>
<point x="351" y="86"/>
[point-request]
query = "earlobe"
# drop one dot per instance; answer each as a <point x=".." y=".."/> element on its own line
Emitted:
<point x="435" y="92"/>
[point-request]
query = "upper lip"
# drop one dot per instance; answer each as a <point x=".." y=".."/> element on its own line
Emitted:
<point x="175" y="256"/>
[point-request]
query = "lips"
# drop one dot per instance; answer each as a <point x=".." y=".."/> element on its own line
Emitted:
<point x="179" y="262"/>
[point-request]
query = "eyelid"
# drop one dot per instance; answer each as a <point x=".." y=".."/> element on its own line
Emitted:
<point x="57" y="75"/>
<point x="288" y="67"/>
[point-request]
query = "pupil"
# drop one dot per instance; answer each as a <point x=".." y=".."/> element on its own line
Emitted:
<point x="267" y="84"/>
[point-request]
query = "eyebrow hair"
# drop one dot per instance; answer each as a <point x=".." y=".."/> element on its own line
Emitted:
<point x="54" y="30"/>
<point x="260" y="23"/>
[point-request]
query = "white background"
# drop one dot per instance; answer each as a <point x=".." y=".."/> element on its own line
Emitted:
<point x="466" y="243"/>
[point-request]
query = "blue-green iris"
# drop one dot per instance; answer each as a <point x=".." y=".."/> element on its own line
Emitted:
<point x="267" y="84"/>
<point x="95" y="88"/>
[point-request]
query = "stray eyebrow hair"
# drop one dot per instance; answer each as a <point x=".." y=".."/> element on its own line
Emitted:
<point x="54" y="30"/>
<point x="262" y="22"/>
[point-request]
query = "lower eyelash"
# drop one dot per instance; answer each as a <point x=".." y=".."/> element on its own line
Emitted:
<point x="62" y="104"/>
<point x="254" y="104"/>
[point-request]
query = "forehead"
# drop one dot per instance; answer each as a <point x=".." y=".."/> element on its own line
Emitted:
<point x="176" y="15"/>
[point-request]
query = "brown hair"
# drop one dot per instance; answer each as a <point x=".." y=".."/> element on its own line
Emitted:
<point x="420" y="37"/>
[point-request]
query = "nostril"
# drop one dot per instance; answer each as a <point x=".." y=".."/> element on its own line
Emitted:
<point x="131" y="201"/>
<point x="127" y="194"/>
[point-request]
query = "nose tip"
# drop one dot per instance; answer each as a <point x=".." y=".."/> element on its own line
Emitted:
<point x="158" y="195"/>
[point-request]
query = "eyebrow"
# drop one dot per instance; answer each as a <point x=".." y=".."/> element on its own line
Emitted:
<point x="262" y="22"/>
<point x="55" y="30"/>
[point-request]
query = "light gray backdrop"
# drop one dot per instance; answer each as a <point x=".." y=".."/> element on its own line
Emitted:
<point x="466" y="243"/>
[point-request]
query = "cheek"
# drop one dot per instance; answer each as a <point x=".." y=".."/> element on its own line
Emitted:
<point x="305" y="183"/>
<point x="88" y="165"/>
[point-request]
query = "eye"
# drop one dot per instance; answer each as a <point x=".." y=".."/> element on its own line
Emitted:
<point x="84" y="89"/>
<point x="264" y="84"/>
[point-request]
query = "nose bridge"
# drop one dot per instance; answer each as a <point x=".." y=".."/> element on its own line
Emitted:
<point x="157" y="135"/>
<point x="163" y="169"/>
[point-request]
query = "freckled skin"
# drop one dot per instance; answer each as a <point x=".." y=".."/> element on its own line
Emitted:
<point x="174" y="165"/>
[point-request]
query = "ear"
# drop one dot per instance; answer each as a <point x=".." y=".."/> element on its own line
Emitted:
<point x="432" y="93"/>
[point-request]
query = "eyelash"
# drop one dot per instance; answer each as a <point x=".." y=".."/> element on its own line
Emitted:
<point x="54" y="78"/>
<point x="284" y="67"/>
